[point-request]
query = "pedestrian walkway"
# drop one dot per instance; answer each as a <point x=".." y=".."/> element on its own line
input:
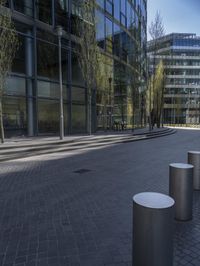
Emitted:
<point x="77" y="210"/>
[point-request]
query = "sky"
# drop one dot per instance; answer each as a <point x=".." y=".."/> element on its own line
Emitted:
<point x="182" y="16"/>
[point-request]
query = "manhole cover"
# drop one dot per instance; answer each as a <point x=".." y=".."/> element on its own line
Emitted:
<point x="82" y="171"/>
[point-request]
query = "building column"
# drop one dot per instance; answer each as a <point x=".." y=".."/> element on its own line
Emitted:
<point x="29" y="84"/>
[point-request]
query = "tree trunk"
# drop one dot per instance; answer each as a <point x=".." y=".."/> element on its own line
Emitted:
<point x="89" y="126"/>
<point x="1" y="123"/>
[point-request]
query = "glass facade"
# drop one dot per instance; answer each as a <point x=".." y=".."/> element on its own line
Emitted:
<point x="181" y="56"/>
<point x="31" y="97"/>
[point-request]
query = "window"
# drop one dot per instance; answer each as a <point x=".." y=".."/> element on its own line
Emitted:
<point x="61" y="7"/>
<point x="24" y="6"/>
<point x="78" y="94"/>
<point x="123" y="7"/>
<point x="23" y="55"/>
<point x="14" y="113"/>
<point x="50" y="90"/>
<point x="116" y="40"/>
<point x="100" y="29"/>
<point x="44" y="10"/>
<point x="109" y="35"/>
<point x="15" y="86"/>
<point x="48" y="116"/>
<point x="78" y="118"/>
<point x="77" y="78"/>
<point x="117" y="9"/>
<point x="100" y="3"/>
<point x="109" y="6"/>
<point x="47" y="60"/>
<point x="123" y="20"/>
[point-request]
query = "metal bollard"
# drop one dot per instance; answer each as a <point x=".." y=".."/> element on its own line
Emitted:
<point x="194" y="159"/>
<point x="153" y="215"/>
<point x="181" y="189"/>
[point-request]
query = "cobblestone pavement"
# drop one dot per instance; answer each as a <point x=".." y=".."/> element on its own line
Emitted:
<point x="76" y="208"/>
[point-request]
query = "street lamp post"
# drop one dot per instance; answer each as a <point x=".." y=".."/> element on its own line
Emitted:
<point x="59" y="31"/>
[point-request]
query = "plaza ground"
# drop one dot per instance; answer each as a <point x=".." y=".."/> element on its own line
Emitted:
<point x="75" y="208"/>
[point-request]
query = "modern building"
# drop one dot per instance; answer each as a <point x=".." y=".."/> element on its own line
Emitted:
<point x="31" y="97"/>
<point x="180" y="53"/>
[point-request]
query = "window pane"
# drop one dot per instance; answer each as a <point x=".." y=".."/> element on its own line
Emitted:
<point x="109" y="35"/>
<point x="77" y="78"/>
<point x="14" y="114"/>
<point x="109" y="6"/>
<point x="78" y="94"/>
<point x="47" y="60"/>
<point x="44" y="11"/>
<point x="24" y="6"/>
<point x="65" y="65"/>
<point x="18" y="64"/>
<point x="117" y="40"/>
<point x="15" y="86"/>
<point x="100" y="3"/>
<point x="78" y="118"/>
<point x="100" y="29"/>
<point x="48" y="116"/>
<point x="117" y="9"/>
<point x="123" y="7"/>
<point x="61" y="7"/>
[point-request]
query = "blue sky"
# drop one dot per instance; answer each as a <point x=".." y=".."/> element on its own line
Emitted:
<point x="178" y="15"/>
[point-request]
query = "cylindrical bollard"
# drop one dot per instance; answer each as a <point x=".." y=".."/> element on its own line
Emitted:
<point x="194" y="159"/>
<point x="181" y="189"/>
<point x="153" y="216"/>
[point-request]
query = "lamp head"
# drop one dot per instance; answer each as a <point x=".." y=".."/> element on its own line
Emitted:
<point x="59" y="31"/>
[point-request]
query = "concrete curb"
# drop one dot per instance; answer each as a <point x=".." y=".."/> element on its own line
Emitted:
<point x="27" y="150"/>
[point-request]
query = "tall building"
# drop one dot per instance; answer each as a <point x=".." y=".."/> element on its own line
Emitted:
<point x="180" y="53"/>
<point x="31" y="97"/>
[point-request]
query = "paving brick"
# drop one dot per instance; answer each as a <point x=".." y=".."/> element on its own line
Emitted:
<point x="51" y="215"/>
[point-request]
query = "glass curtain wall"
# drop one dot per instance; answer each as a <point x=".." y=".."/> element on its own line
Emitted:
<point x="121" y="34"/>
<point x="31" y="97"/>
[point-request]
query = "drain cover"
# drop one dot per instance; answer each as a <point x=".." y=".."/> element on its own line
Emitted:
<point x="82" y="171"/>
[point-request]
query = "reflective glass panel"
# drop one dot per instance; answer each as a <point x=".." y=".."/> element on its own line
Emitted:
<point x="44" y="10"/>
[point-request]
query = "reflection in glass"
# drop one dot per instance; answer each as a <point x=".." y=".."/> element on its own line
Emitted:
<point x="100" y="30"/>
<point x="78" y="94"/>
<point x="14" y="113"/>
<point x="109" y="6"/>
<point x="61" y="7"/>
<point x="15" y="86"/>
<point x="100" y="3"/>
<point x="77" y="78"/>
<point x="47" y="59"/>
<point x="48" y="116"/>
<point x="18" y="64"/>
<point x="24" y="6"/>
<point x="44" y="10"/>
<point x="116" y="39"/>
<point x="78" y="118"/>
<point x="109" y="35"/>
<point x="50" y="90"/>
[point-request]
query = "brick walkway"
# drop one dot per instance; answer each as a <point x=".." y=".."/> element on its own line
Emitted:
<point x="77" y="209"/>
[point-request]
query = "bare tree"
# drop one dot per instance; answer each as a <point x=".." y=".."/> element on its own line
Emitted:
<point x="158" y="92"/>
<point x="156" y="28"/>
<point x="156" y="31"/>
<point x="89" y="51"/>
<point x="8" y="47"/>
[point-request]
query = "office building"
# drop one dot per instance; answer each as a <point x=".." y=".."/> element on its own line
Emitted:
<point x="180" y="53"/>
<point x="31" y="97"/>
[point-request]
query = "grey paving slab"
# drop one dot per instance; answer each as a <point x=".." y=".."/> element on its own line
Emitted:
<point x="54" y="214"/>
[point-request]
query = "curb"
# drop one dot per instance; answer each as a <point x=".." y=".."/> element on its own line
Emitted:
<point x="15" y="152"/>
